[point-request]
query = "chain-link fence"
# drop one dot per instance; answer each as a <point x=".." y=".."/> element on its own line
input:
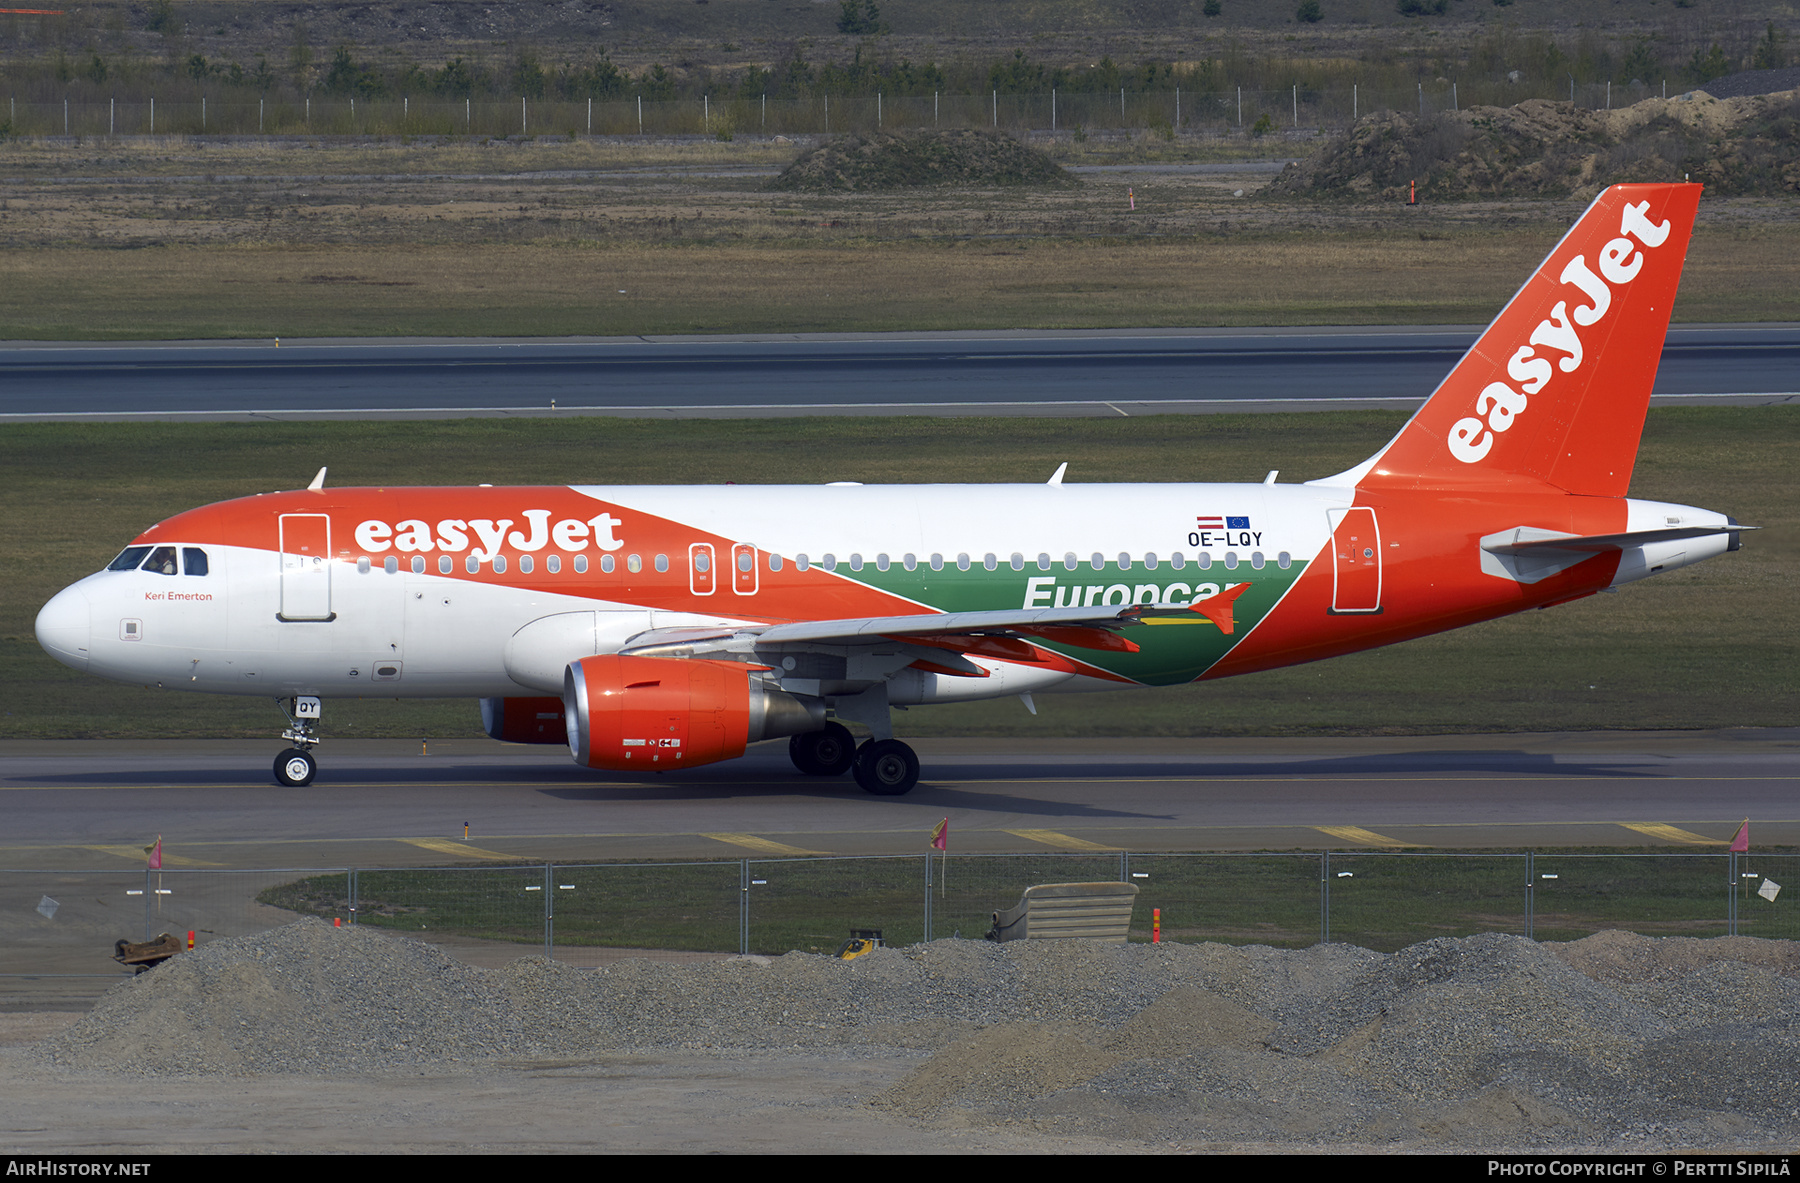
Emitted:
<point x="1229" y="112"/>
<point x="67" y="922"/>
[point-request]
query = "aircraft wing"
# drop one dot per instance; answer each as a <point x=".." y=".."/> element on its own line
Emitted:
<point x="944" y="623"/>
<point x="1085" y="628"/>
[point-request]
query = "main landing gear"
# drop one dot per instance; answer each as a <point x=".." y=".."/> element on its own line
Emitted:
<point x="884" y="767"/>
<point x="295" y="767"/>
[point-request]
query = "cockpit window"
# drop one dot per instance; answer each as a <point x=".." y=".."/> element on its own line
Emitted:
<point x="128" y="559"/>
<point x="193" y="560"/>
<point x="162" y="561"/>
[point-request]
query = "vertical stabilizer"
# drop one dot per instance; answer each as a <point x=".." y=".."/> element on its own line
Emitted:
<point x="1554" y="392"/>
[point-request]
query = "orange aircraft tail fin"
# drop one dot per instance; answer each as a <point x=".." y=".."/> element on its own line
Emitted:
<point x="1555" y="391"/>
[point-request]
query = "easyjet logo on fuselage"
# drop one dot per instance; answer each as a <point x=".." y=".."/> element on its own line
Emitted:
<point x="416" y="536"/>
<point x="1500" y="403"/>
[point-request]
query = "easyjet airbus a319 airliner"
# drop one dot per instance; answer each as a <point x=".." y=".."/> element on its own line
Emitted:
<point x="661" y="628"/>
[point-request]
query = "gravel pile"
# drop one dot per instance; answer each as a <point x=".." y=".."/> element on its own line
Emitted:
<point x="1750" y="82"/>
<point x="1617" y="1040"/>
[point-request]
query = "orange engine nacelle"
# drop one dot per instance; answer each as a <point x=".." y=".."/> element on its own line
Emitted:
<point x="524" y="720"/>
<point x="627" y="712"/>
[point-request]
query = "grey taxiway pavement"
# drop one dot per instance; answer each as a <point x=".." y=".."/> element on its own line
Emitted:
<point x="1098" y="372"/>
<point x="97" y="804"/>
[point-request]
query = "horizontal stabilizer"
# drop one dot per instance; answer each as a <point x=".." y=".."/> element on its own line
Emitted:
<point x="1527" y="554"/>
<point x="1527" y="539"/>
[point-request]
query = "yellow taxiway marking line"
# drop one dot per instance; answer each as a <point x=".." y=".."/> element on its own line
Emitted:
<point x="1358" y="834"/>
<point x="1673" y="833"/>
<point x="138" y="854"/>
<point x="752" y="842"/>
<point x="642" y="835"/>
<point x="1064" y="841"/>
<point x="460" y="849"/>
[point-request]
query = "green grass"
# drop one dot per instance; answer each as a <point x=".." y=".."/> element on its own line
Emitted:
<point x="1705" y="647"/>
<point x="894" y="262"/>
<point x="1710" y="646"/>
<point x="1378" y="900"/>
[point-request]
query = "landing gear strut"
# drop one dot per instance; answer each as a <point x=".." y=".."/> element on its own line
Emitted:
<point x="295" y="767"/>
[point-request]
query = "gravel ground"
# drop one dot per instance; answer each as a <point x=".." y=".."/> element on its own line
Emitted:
<point x="1487" y="1042"/>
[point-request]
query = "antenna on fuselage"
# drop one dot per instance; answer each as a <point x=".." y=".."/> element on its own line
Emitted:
<point x="318" y="482"/>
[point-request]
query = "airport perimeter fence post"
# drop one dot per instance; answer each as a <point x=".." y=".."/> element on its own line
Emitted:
<point x="1325" y="897"/>
<point x="1530" y="900"/>
<point x="549" y="914"/>
<point x="1731" y="884"/>
<point x="928" y="895"/>
<point x="743" y="907"/>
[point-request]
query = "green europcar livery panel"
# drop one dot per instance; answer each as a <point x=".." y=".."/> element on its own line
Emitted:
<point x="1171" y="649"/>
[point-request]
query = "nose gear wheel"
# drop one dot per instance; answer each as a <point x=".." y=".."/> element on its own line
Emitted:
<point x="294" y="768"/>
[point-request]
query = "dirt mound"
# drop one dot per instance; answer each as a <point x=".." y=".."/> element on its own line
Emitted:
<point x="1739" y="146"/>
<point x="1486" y="1041"/>
<point x="889" y="160"/>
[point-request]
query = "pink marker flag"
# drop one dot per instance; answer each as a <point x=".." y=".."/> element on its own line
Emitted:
<point x="1741" y="843"/>
<point x="156" y="854"/>
<point x="940" y="835"/>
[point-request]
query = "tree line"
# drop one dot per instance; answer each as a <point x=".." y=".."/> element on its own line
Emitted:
<point x="346" y="70"/>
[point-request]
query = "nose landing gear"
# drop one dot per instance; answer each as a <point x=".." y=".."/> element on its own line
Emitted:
<point x="295" y="767"/>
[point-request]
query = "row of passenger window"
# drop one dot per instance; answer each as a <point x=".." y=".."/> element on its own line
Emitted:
<point x="1018" y="562"/>
<point x="161" y="560"/>
<point x="472" y="564"/>
<point x="702" y="562"/>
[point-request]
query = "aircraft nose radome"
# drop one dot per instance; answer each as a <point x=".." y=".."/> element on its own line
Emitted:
<point x="63" y="628"/>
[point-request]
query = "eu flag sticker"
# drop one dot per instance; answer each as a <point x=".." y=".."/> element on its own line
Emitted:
<point x="1237" y="523"/>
